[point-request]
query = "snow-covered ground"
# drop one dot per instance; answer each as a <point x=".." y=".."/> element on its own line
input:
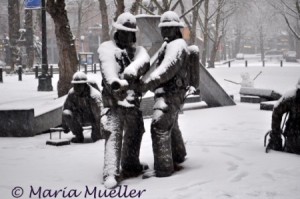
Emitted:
<point x="226" y="157"/>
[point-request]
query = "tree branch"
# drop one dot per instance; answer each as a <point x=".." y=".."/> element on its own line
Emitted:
<point x="175" y="5"/>
<point x="192" y="8"/>
<point x="288" y="7"/>
<point x="216" y="10"/>
<point x="184" y="18"/>
<point x="146" y="9"/>
<point x="158" y="6"/>
<point x="291" y="28"/>
<point x="201" y="23"/>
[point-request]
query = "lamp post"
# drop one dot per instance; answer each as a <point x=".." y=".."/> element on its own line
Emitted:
<point x="45" y="82"/>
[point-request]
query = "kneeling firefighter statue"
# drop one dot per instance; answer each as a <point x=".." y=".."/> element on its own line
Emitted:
<point x="288" y="105"/>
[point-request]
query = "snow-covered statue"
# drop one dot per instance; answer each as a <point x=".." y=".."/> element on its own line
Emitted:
<point x="169" y="82"/>
<point x="81" y="108"/>
<point x="122" y="65"/>
<point x="288" y="104"/>
<point x="246" y="80"/>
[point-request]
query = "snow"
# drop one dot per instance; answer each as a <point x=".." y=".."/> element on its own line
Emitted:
<point x="169" y="19"/>
<point x="126" y="17"/>
<point x="139" y="60"/>
<point x="79" y="77"/>
<point x="288" y="94"/>
<point x="110" y="182"/>
<point x="173" y="52"/>
<point x="160" y="104"/>
<point x="95" y="94"/>
<point x="146" y="15"/>
<point x="225" y="153"/>
<point x="109" y="66"/>
<point x="193" y="48"/>
<point x="107" y="52"/>
<point x="123" y="18"/>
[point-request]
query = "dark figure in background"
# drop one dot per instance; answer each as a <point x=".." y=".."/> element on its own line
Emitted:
<point x="169" y="82"/>
<point x="122" y="65"/>
<point x="288" y="104"/>
<point x="82" y="107"/>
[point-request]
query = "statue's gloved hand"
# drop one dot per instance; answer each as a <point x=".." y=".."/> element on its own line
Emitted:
<point x="119" y="90"/>
<point x="275" y="141"/>
<point x="65" y="128"/>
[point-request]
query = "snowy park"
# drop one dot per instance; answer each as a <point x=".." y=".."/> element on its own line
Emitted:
<point x="225" y="153"/>
<point x="149" y="99"/>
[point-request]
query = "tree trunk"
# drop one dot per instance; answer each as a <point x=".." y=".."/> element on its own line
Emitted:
<point x="213" y="54"/>
<point x="205" y="33"/>
<point x="66" y="45"/>
<point x="261" y="43"/>
<point x="29" y="38"/>
<point x="224" y="52"/>
<point x="297" y="48"/>
<point x="297" y="40"/>
<point x="217" y="38"/>
<point x="79" y="20"/>
<point x="237" y="42"/>
<point x="104" y="18"/>
<point x="194" y="24"/>
<point x="14" y="26"/>
<point x="292" y="40"/>
<point x="120" y="8"/>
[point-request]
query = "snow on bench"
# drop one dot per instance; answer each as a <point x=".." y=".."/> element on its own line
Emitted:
<point x="257" y="95"/>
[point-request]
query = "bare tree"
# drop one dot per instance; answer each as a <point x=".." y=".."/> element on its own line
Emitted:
<point x="161" y="8"/>
<point x="261" y="22"/>
<point x="29" y="38"/>
<point x="223" y="11"/>
<point x="204" y="25"/>
<point x="83" y="8"/>
<point x="66" y="45"/>
<point x="104" y="21"/>
<point x="135" y="7"/>
<point x="3" y="19"/>
<point x="193" y="29"/>
<point x="120" y="8"/>
<point x="192" y="26"/>
<point x="14" y="27"/>
<point x="290" y="11"/>
<point x="217" y="35"/>
<point x="237" y="27"/>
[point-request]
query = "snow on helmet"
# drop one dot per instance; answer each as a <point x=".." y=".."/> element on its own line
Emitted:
<point x="170" y="19"/>
<point x="298" y="84"/>
<point x="79" y="78"/>
<point x="126" y="21"/>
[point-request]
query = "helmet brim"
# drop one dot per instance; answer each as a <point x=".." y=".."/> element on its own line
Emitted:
<point x="171" y="24"/>
<point x="79" y="82"/>
<point x="121" y="27"/>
